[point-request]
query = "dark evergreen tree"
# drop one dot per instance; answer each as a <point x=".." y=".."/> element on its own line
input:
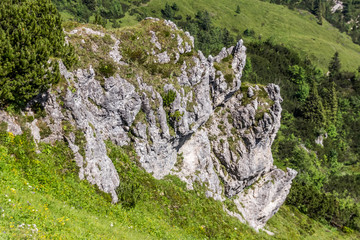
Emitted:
<point x="313" y="108"/>
<point x="333" y="103"/>
<point x="167" y="12"/>
<point x="335" y="65"/>
<point x="298" y="76"/>
<point x="237" y="9"/>
<point x="204" y="20"/>
<point x="319" y="11"/>
<point x="227" y="38"/>
<point x="175" y="7"/>
<point x="90" y="4"/>
<point x="100" y="20"/>
<point x="30" y="36"/>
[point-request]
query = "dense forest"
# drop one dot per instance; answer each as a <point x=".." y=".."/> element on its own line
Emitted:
<point x="319" y="134"/>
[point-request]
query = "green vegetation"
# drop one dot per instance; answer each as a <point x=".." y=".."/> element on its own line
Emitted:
<point x="226" y="68"/>
<point x="168" y="98"/>
<point x="314" y="104"/>
<point x="208" y="38"/>
<point x="27" y="42"/>
<point x="41" y="193"/>
<point x="295" y="29"/>
<point x="257" y="20"/>
<point x="42" y="197"/>
<point x="344" y="18"/>
<point x="103" y="12"/>
<point x="107" y="68"/>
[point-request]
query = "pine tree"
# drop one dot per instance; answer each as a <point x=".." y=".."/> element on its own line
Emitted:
<point x="30" y="35"/>
<point x="175" y="7"/>
<point x="203" y="20"/>
<point x="100" y="20"/>
<point x="334" y="66"/>
<point x="168" y="12"/>
<point x="90" y="4"/>
<point x="238" y="9"/>
<point x="313" y="108"/>
<point x="117" y="11"/>
<point x="319" y="12"/>
<point x="227" y="38"/>
<point x="298" y="76"/>
<point x="333" y="103"/>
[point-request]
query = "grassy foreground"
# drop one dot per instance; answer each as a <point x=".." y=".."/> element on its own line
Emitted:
<point x="296" y="29"/>
<point x="41" y="196"/>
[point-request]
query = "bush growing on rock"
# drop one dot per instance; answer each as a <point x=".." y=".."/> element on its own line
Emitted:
<point x="169" y="98"/>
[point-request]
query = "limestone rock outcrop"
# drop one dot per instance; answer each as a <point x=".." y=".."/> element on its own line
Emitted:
<point x="183" y="113"/>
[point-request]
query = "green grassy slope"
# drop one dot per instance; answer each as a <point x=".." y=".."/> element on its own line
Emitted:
<point x="294" y="28"/>
<point x="42" y="197"/>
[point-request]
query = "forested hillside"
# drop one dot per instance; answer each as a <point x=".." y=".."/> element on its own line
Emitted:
<point x="316" y="67"/>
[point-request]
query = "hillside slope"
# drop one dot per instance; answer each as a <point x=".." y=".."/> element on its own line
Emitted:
<point x="44" y="197"/>
<point x="145" y="137"/>
<point x="41" y="199"/>
<point x="296" y="29"/>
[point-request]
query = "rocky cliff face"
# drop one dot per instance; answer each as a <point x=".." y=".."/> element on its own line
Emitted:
<point x="183" y="113"/>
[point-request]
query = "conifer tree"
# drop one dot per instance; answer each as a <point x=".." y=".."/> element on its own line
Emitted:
<point x="168" y="12"/>
<point x="91" y="4"/>
<point x="100" y="20"/>
<point x="30" y="36"/>
<point x="237" y="9"/>
<point x="175" y="7"/>
<point x="298" y="76"/>
<point x="334" y="66"/>
<point x="313" y="108"/>
<point x="333" y="102"/>
<point x="319" y="11"/>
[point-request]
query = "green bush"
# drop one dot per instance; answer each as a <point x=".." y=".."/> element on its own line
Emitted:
<point x="175" y="117"/>
<point x="106" y="68"/>
<point x="229" y="78"/>
<point x="135" y="55"/>
<point x="168" y="98"/>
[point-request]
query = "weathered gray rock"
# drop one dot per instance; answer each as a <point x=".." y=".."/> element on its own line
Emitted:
<point x="220" y="89"/>
<point x="243" y="145"/>
<point x="155" y="40"/>
<point x="320" y="139"/>
<point x="163" y="58"/>
<point x="195" y="165"/>
<point x="100" y="115"/>
<point x="12" y="125"/>
<point x="260" y="202"/>
<point x="115" y="53"/>
<point x="221" y="137"/>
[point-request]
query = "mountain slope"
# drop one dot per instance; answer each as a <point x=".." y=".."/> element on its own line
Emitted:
<point x="39" y="199"/>
<point x="296" y="29"/>
<point x="171" y="110"/>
